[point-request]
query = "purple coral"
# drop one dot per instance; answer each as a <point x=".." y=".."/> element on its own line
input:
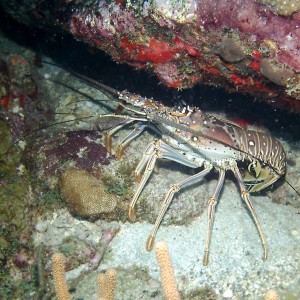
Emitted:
<point x="76" y="148"/>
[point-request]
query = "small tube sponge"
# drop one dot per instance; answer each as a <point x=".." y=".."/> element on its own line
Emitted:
<point x="107" y="284"/>
<point x="231" y="50"/>
<point x="271" y="295"/>
<point x="278" y="74"/>
<point x="59" y="277"/>
<point x="166" y="271"/>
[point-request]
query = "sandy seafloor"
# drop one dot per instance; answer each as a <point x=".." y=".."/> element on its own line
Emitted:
<point x="235" y="270"/>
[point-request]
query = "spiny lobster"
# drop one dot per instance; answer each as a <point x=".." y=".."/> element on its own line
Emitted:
<point x="195" y="139"/>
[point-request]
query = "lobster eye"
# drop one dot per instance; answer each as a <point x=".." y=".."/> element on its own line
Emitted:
<point x="255" y="168"/>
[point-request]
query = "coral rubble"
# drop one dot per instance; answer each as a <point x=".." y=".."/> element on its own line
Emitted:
<point x="250" y="46"/>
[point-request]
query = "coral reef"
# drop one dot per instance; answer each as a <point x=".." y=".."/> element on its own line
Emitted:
<point x="17" y="217"/>
<point x="19" y="93"/>
<point x="90" y="246"/>
<point x="85" y="194"/>
<point x="106" y="281"/>
<point x="221" y="43"/>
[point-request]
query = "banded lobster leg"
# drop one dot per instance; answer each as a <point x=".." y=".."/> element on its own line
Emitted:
<point x="246" y="198"/>
<point x="175" y="188"/>
<point x="156" y="149"/>
<point x="139" y="128"/>
<point x="212" y="202"/>
<point x="109" y="133"/>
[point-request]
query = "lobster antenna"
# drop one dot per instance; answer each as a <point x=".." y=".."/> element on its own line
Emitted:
<point x="99" y="100"/>
<point x="106" y="90"/>
<point x="90" y="98"/>
<point x="297" y="192"/>
<point x="53" y="124"/>
<point x="88" y="80"/>
<point x="47" y="126"/>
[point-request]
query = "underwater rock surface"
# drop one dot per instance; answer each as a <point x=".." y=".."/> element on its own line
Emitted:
<point x="220" y="43"/>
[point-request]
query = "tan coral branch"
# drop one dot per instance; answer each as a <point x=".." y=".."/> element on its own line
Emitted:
<point x="59" y="277"/>
<point x="107" y="284"/>
<point x="166" y="271"/>
<point x="271" y="295"/>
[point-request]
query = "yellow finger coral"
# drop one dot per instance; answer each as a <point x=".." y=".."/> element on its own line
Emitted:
<point x="271" y="295"/>
<point x="59" y="277"/>
<point x="166" y="271"/>
<point x="107" y="284"/>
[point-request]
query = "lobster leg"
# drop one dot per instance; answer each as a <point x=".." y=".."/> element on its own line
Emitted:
<point x="211" y="213"/>
<point x="109" y="133"/>
<point x="168" y="153"/>
<point x="175" y="188"/>
<point x="245" y="197"/>
<point x="143" y="162"/>
<point x="130" y="137"/>
<point x="156" y="149"/>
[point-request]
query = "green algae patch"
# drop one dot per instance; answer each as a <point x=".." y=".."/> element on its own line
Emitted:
<point x="10" y="154"/>
<point x="17" y="278"/>
<point x="13" y="204"/>
<point x="15" y="235"/>
<point x="14" y="190"/>
<point x="5" y="137"/>
<point x="121" y="183"/>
